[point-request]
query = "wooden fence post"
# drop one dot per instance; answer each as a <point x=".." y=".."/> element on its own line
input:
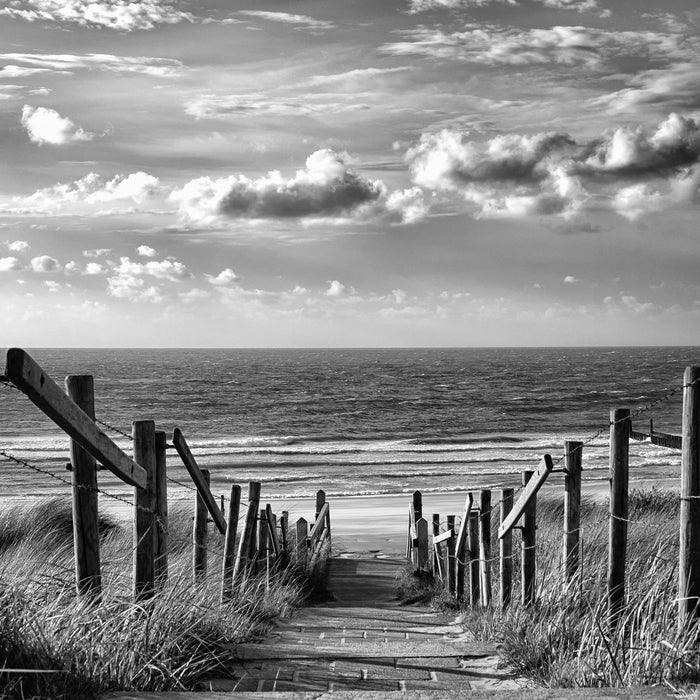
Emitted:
<point x="144" y="438"/>
<point x="302" y="538"/>
<point x="234" y="506"/>
<point x="263" y="545"/>
<point x="451" y="582"/>
<point x="199" y="534"/>
<point x="320" y="502"/>
<point x="505" y="553"/>
<point x="528" y="559"/>
<point x="247" y="538"/>
<point x="86" y="536"/>
<point x="436" y="551"/>
<point x="572" y="508"/>
<point x="474" y="587"/>
<point x="284" y="528"/>
<point x="617" y="540"/>
<point x="689" y="562"/>
<point x="485" y="546"/>
<point x="161" y="482"/>
<point x="417" y="498"/>
<point x="422" y="532"/>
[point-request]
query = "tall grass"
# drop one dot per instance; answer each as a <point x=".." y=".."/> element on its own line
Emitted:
<point x="181" y="636"/>
<point x="564" y="640"/>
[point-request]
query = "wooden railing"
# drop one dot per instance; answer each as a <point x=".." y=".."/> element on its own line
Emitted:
<point x="461" y="551"/>
<point x="263" y="545"/>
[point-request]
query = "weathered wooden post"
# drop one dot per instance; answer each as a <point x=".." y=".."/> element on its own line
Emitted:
<point x="461" y="549"/>
<point x="301" y="544"/>
<point x="263" y="553"/>
<point x="284" y="530"/>
<point x="572" y="508"/>
<point x="689" y="568"/>
<point x="528" y="559"/>
<point x="451" y="582"/>
<point x="473" y="536"/>
<point x="144" y="439"/>
<point x="422" y="532"/>
<point x="505" y="553"/>
<point x="86" y="536"/>
<point x="247" y="538"/>
<point x="617" y="540"/>
<point x="417" y="499"/>
<point x="161" y="481"/>
<point x="436" y="551"/>
<point x="320" y="502"/>
<point x="234" y="506"/>
<point x="199" y="534"/>
<point x="485" y="546"/>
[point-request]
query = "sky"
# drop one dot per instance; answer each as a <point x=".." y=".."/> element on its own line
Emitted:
<point x="326" y="173"/>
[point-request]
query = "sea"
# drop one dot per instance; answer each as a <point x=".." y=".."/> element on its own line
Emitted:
<point x="356" y="421"/>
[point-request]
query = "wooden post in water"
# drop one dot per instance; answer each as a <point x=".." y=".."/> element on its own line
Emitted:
<point x="144" y="439"/>
<point x="619" y="480"/>
<point x="86" y="536"/>
<point x="528" y="560"/>
<point x="572" y="508"/>
<point x="474" y="587"/>
<point x="199" y="534"/>
<point x="302" y="537"/>
<point x="234" y="506"/>
<point x="689" y="562"/>
<point x="436" y="550"/>
<point x="161" y="481"/>
<point x="247" y="538"/>
<point x="505" y="553"/>
<point x="485" y="546"/>
<point x="451" y="582"/>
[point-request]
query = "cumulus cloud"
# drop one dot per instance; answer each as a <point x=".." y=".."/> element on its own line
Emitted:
<point x="96" y="252"/>
<point x="66" y="64"/>
<point x="570" y="279"/>
<point x="44" y="264"/>
<point x="171" y="270"/>
<point x="45" y="125"/>
<point x="224" y="278"/>
<point x="325" y="188"/>
<point x="8" y="264"/>
<point x="301" y="21"/>
<point x="95" y="189"/>
<point x="146" y="251"/>
<point x="18" y="246"/>
<point x="129" y="279"/>
<point x="336" y="289"/>
<point x="564" y="45"/>
<point x="122" y="15"/>
<point x="93" y="268"/>
<point x="551" y="173"/>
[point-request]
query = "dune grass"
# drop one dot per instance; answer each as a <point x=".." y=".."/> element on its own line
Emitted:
<point x="564" y="640"/>
<point x="75" y="649"/>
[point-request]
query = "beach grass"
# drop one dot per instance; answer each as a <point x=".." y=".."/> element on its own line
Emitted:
<point x="564" y="640"/>
<point x="70" y="648"/>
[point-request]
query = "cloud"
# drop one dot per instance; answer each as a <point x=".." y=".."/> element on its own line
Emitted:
<point x="122" y="15"/>
<point x="96" y="252"/>
<point x="68" y="63"/>
<point x="7" y="264"/>
<point x="361" y="74"/>
<point x="325" y="188"/>
<point x="146" y="251"/>
<point x="301" y="21"/>
<point x="516" y="175"/>
<point x="224" y="278"/>
<point x="335" y="289"/>
<point x="93" y="268"/>
<point x="171" y="270"/>
<point x="45" y="125"/>
<point x="563" y="45"/>
<point x="94" y="189"/>
<point x="416" y="6"/>
<point x="128" y="280"/>
<point x="10" y="71"/>
<point x="570" y="279"/>
<point x="18" y="246"/>
<point x="44" y="264"/>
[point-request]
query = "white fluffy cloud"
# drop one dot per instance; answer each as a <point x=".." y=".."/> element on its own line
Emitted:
<point x="145" y="251"/>
<point x="8" y="264"/>
<point x="325" y="188"/>
<point x="171" y="270"/>
<point x="224" y="278"/>
<point x="18" y="246"/>
<point x="336" y="289"/>
<point x="65" y="64"/>
<point x="123" y="15"/>
<point x="45" y="125"/>
<point x="44" y="264"/>
<point x="129" y="279"/>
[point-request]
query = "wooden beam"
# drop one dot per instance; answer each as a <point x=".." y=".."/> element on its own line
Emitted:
<point x="198" y="479"/>
<point x="530" y="491"/>
<point x="44" y="393"/>
<point x="463" y="529"/>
